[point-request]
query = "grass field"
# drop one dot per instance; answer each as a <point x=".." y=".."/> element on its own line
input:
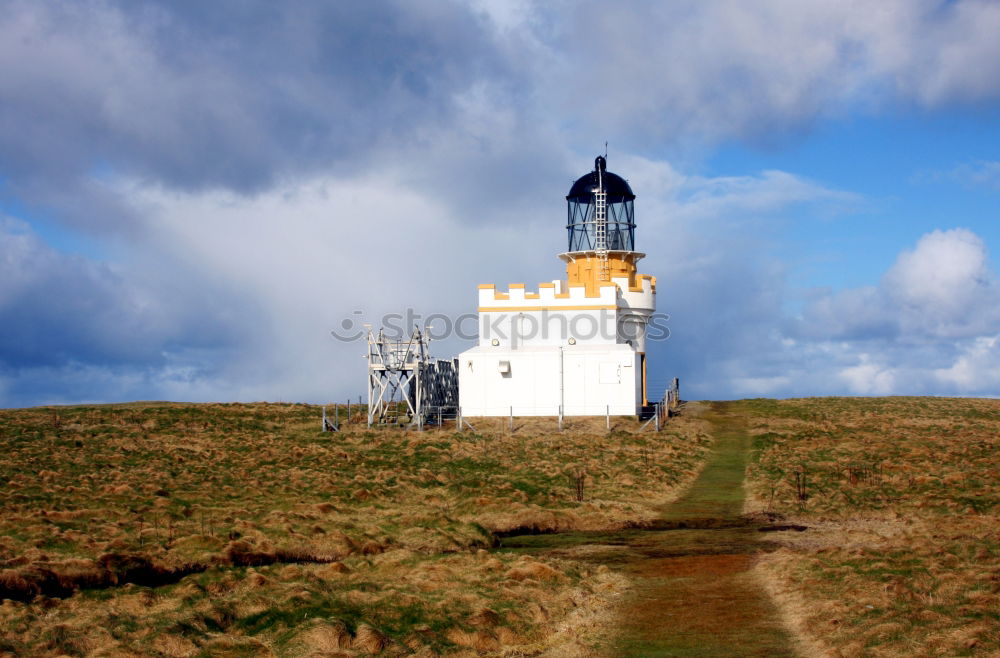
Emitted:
<point x="230" y="529"/>
<point x="902" y="500"/>
<point x="242" y="530"/>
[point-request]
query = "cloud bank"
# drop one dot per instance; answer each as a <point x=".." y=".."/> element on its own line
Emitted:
<point x="256" y="172"/>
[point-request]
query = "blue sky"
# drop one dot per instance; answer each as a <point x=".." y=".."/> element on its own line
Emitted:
<point x="193" y="194"/>
<point x="912" y="173"/>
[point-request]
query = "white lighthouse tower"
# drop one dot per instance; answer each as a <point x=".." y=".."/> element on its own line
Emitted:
<point x="575" y="346"/>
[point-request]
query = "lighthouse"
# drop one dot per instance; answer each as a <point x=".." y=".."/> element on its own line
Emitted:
<point x="574" y="346"/>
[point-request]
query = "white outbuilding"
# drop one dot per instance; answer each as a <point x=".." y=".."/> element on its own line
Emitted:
<point x="574" y="346"/>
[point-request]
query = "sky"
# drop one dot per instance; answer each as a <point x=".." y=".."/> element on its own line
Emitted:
<point x="193" y="195"/>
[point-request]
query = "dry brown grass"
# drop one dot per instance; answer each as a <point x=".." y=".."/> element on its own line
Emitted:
<point x="902" y="498"/>
<point x="242" y="530"/>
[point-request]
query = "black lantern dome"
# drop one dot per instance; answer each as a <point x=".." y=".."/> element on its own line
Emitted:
<point x="580" y="206"/>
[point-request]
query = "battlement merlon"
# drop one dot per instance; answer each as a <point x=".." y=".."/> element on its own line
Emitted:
<point x="559" y="295"/>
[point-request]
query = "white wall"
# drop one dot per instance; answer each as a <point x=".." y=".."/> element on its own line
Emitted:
<point x="593" y="379"/>
<point x="534" y="332"/>
<point x="531" y="329"/>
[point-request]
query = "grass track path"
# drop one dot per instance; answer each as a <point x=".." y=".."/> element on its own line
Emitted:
<point x="693" y="593"/>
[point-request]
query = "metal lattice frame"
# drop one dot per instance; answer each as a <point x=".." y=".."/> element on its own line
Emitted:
<point x="438" y="386"/>
<point x="403" y="379"/>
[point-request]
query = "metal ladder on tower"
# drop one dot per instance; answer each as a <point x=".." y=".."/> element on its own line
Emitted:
<point x="601" y="228"/>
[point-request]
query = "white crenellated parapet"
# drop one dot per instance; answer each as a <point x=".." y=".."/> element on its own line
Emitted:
<point x="556" y="294"/>
<point x="616" y="292"/>
<point x="561" y="314"/>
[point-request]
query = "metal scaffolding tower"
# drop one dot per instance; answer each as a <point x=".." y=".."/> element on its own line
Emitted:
<point x="404" y="381"/>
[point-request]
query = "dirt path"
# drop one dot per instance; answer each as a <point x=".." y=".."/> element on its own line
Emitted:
<point x="693" y="594"/>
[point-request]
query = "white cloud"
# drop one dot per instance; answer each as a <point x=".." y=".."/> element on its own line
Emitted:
<point x="977" y="369"/>
<point x="506" y="15"/>
<point x="305" y="256"/>
<point x="310" y="254"/>
<point x="930" y="326"/>
<point x="868" y="378"/>
<point x="942" y="289"/>
<point x="984" y="173"/>
<point x="980" y="173"/>
<point x="685" y="71"/>
<point x="945" y="275"/>
<point x="301" y="258"/>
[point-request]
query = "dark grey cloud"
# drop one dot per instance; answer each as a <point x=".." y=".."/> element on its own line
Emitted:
<point x="229" y="94"/>
<point x="60" y="309"/>
<point x="57" y="308"/>
<point x="248" y="95"/>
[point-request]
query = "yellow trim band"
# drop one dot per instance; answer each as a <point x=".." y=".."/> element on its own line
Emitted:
<point x="496" y="309"/>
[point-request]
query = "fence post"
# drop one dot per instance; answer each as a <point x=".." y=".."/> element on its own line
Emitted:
<point x="348" y="410"/>
<point x="607" y="417"/>
<point x="461" y="425"/>
<point x="512" y="419"/>
<point x="324" y="417"/>
<point x="656" y="412"/>
<point x="336" y="417"/>
<point x="560" y="418"/>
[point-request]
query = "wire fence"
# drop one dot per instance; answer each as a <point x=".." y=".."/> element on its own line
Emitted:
<point x="339" y="416"/>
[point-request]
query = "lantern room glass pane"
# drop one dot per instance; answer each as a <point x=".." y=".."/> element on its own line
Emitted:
<point x="580" y="226"/>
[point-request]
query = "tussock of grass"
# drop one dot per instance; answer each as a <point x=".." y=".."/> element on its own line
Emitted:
<point x="321" y="637"/>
